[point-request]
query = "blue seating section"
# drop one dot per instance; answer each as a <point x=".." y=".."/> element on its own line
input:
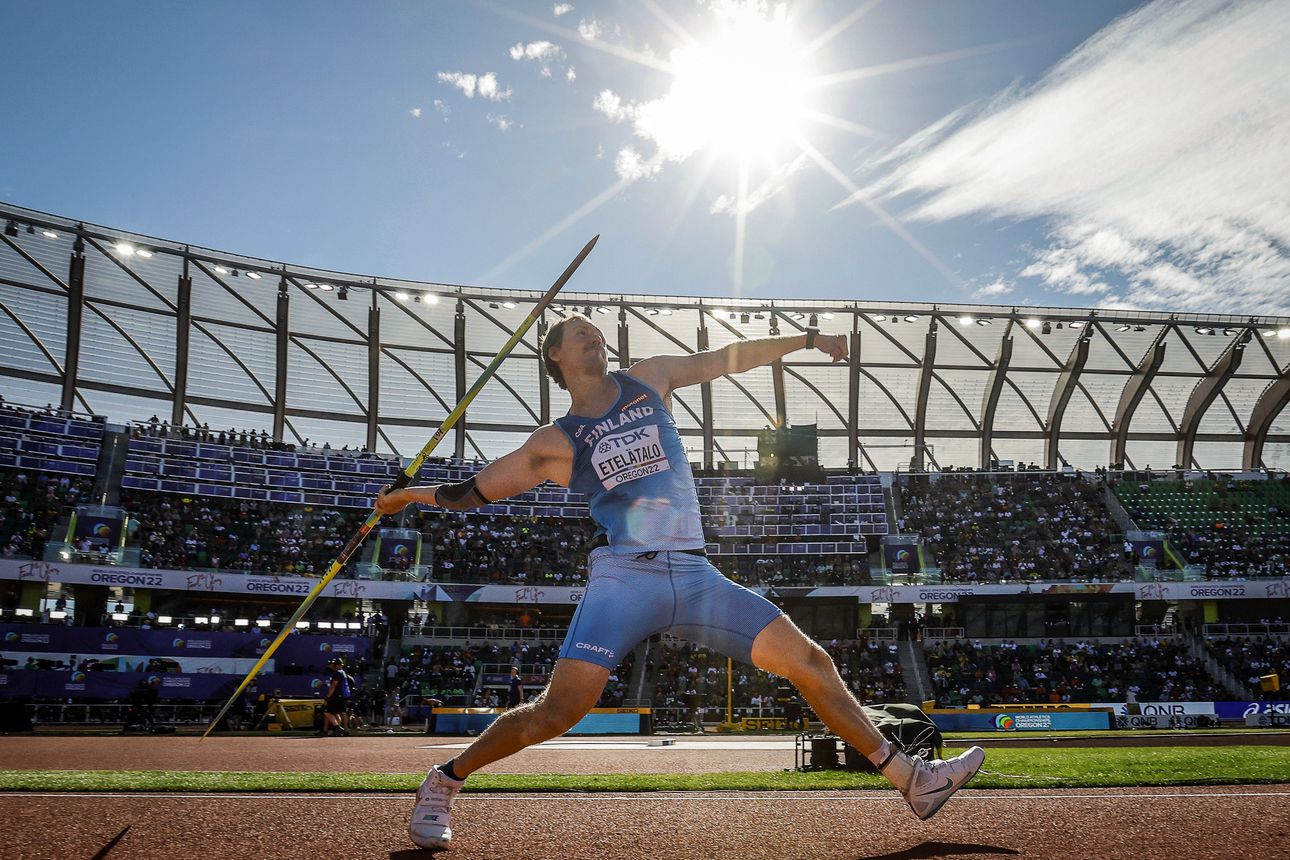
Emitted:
<point x="37" y="442"/>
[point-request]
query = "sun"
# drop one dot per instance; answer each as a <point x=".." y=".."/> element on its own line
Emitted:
<point x="743" y="91"/>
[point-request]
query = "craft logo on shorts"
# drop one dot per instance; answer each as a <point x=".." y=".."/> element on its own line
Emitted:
<point x="1005" y="723"/>
<point x="630" y="455"/>
<point x="598" y="649"/>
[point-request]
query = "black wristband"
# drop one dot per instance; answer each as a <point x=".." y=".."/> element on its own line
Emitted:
<point x="811" y="332"/>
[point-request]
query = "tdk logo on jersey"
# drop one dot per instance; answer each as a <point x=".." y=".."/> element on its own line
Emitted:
<point x="586" y="646"/>
<point x="622" y="440"/>
<point x="627" y="416"/>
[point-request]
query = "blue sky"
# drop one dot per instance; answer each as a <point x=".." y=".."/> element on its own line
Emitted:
<point x="1090" y="154"/>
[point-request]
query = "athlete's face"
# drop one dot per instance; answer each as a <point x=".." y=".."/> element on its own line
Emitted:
<point x="583" y="346"/>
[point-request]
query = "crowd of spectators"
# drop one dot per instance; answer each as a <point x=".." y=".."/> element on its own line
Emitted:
<point x="1054" y="672"/>
<point x="775" y="570"/>
<point x="185" y="533"/>
<point x="33" y="505"/>
<point x="513" y="550"/>
<point x="1227" y="526"/>
<point x="1251" y="658"/>
<point x="1025" y="527"/>
<point x="243" y="438"/>
<point x="690" y="679"/>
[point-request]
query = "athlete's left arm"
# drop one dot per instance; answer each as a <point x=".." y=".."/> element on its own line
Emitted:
<point x="669" y="372"/>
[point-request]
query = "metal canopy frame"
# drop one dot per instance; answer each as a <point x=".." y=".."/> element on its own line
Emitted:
<point x="866" y="407"/>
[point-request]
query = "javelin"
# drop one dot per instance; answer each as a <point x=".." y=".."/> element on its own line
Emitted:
<point x="405" y="478"/>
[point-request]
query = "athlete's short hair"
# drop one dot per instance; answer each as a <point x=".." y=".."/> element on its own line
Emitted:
<point x="554" y="335"/>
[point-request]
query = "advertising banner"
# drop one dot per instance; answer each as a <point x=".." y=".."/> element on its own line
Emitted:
<point x="100" y="686"/>
<point x="1166" y="709"/>
<point x="97" y="528"/>
<point x="1148" y="547"/>
<point x="397" y="549"/>
<point x="997" y="720"/>
<point x="902" y="553"/>
<point x="1237" y="710"/>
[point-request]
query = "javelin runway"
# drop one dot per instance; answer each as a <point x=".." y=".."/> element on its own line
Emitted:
<point x="1095" y="824"/>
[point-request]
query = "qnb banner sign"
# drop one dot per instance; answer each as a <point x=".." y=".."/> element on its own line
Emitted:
<point x="1163" y="709"/>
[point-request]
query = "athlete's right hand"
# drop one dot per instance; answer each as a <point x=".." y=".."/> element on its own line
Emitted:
<point x="391" y="502"/>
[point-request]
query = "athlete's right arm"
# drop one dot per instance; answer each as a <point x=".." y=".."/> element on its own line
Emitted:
<point x="545" y="456"/>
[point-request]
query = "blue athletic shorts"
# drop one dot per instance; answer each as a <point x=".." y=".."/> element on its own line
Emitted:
<point x="630" y="598"/>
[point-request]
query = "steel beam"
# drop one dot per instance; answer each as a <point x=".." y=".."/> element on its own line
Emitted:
<point x="183" y="337"/>
<point x="282" y="332"/>
<point x="705" y="392"/>
<point x="1134" y="390"/>
<point x="990" y="400"/>
<point x="1205" y="393"/>
<point x="373" y="372"/>
<point x="75" y="313"/>
<point x="924" y="388"/>
<point x="1067" y="381"/>
<point x="1271" y="402"/>
<point x="853" y="399"/>
<point x="544" y="381"/>
<point x="459" y="355"/>
<point x="624" y="342"/>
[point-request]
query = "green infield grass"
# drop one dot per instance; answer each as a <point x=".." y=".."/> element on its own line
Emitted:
<point x="1004" y="768"/>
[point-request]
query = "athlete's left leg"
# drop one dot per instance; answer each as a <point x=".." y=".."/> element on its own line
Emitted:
<point x="783" y="650"/>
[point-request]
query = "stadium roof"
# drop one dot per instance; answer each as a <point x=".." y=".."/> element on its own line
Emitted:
<point x="936" y="385"/>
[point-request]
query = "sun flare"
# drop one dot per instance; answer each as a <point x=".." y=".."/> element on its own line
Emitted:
<point x="744" y="91"/>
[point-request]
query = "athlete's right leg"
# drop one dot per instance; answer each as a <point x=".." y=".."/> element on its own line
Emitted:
<point x="575" y="686"/>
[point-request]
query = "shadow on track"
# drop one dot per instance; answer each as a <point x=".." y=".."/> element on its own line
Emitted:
<point x="927" y="851"/>
<point x="103" y="852"/>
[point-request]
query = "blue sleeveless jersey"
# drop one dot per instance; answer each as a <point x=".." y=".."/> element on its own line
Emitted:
<point x="631" y="466"/>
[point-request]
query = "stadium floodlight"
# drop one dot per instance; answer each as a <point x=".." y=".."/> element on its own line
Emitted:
<point x="214" y="619"/>
<point x="200" y="619"/>
<point x="1046" y="328"/>
<point x="11" y="227"/>
<point x="164" y="619"/>
<point x="717" y="313"/>
<point x="326" y="288"/>
<point x="49" y="234"/>
<point x="1033" y="323"/>
<point x="1229" y="331"/>
<point x="261" y="622"/>
<point x="302" y="625"/>
<point x="966" y="320"/>
<point x="241" y="622"/>
<point x="146" y="254"/>
<point x="603" y="310"/>
<point x="125" y="249"/>
<point x="1077" y="325"/>
<point x="743" y="319"/>
<point x="1283" y="333"/>
<point x="252" y="274"/>
<point x="342" y="293"/>
<point x="652" y="312"/>
<point x="813" y="321"/>
<point x="24" y="613"/>
<point x="324" y="625"/>
<point x="432" y="298"/>
<point x="1202" y="329"/>
<point x="911" y="318"/>
<point x="57" y="615"/>
<point x="223" y="271"/>
<point x="828" y="315"/>
<point x="309" y="285"/>
<point x="1270" y="333"/>
<point x="1124" y="327"/>
<point x="880" y="317"/>
<point x="401" y="296"/>
<point x="984" y="321"/>
<point x="120" y="616"/>
<point x="508" y="305"/>
<point x="667" y="312"/>
<point x="354" y="625"/>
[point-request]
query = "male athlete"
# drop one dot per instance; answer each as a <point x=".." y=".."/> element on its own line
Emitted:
<point x="648" y="571"/>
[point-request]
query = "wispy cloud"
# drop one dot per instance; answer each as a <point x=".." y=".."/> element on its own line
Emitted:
<point x="485" y="85"/>
<point x="561" y="9"/>
<point x="416" y="112"/>
<point x="630" y="165"/>
<point x="1156" y="153"/>
<point x="992" y="290"/>
<point x="500" y="122"/>
<point x="590" y="29"/>
<point x="776" y="182"/>
<point x="612" y="105"/>
<point x="547" y="55"/>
